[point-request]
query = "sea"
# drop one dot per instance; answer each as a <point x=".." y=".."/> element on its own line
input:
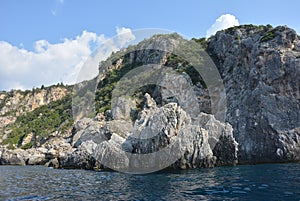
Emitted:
<point x="243" y="182"/>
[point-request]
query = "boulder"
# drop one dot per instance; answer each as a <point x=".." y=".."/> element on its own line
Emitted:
<point x="161" y="137"/>
<point x="35" y="157"/>
<point x="11" y="157"/>
<point x="78" y="159"/>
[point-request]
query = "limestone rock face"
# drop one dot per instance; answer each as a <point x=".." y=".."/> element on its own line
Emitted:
<point x="49" y="154"/>
<point x="16" y="103"/>
<point x="9" y="157"/>
<point x="261" y="69"/>
<point x="125" y="109"/>
<point x="162" y="137"/>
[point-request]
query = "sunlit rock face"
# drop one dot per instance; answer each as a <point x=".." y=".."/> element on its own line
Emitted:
<point x="260" y="67"/>
<point x="160" y="134"/>
<point x="175" y="126"/>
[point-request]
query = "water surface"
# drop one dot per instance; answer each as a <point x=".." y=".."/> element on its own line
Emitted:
<point x="247" y="182"/>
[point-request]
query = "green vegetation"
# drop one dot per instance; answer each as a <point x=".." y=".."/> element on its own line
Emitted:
<point x="190" y="50"/>
<point x="38" y="90"/>
<point x="56" y="116"/>
<point x="27" y="146"/>
<point x="9" y="113"/>
<point x="201" y="41"/>
<point x="41" y="122"/>
<point x="176" y="61"/>
<point x="181" y="65"/>
<point x="253" y="27"/>
<point x="268" y="36"/>
<point x="106" y="86"/>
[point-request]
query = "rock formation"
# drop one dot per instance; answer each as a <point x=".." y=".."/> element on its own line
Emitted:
<point x="260" y="68"/>
<point x="16" y="102"/>
<point x="204" y="142"/>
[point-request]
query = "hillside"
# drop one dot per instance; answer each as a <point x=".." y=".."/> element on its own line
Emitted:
<point x="260" y="71"/>
<point x="30" y="117"/>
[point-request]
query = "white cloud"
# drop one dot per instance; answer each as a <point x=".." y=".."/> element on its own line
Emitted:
<point x="124" y="35"/>
<point x="52" y="63"/>
<point x="223" y="22"/>
<point x="91" y="66"/>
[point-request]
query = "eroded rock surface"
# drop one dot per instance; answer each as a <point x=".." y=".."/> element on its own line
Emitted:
<point x="261" y="69"/>
<point x="160" y="135"/>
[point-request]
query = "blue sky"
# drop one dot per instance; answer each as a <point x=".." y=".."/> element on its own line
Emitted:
<point x="33" y="28"/>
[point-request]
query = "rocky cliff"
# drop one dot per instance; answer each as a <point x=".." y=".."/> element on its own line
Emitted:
<point x="176" y="123"/>
<point x="17" y="102"/>
<point x="260" y="67"/>
<point x="24" y="114"/>
<point x="98" y="144"/>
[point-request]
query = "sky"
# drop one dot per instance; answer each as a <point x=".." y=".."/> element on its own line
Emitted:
<point x="48" y="41"/>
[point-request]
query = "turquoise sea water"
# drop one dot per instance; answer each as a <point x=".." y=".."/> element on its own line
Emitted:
<point x="247" y="182"/>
